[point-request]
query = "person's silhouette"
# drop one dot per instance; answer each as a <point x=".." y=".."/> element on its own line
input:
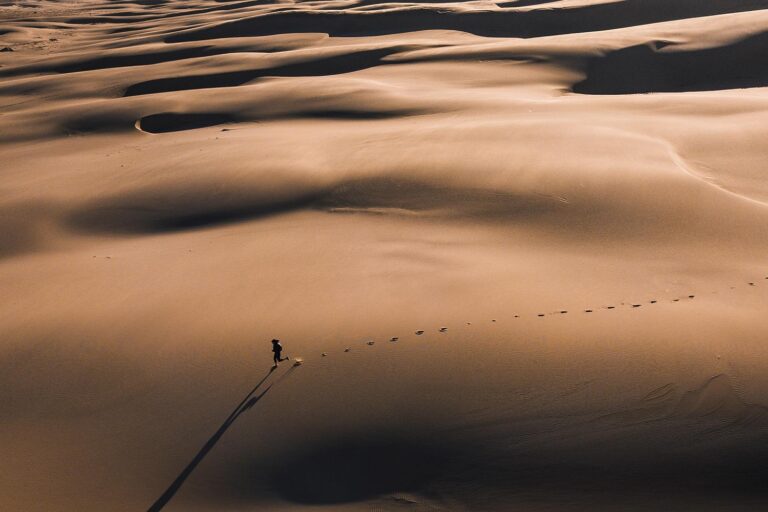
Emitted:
<point x="277" y="348"/>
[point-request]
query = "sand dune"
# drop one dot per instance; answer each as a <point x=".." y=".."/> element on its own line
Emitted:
<point x="519" y="248"/>
<point x="495" y="22"/>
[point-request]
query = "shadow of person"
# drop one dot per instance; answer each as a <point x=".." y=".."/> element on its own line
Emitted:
<point x="247" y="403"/>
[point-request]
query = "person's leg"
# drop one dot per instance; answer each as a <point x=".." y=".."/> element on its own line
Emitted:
<point x="276" y="358"/>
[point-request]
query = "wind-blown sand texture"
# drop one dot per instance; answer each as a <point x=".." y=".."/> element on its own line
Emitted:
<point x="521" y="247"/>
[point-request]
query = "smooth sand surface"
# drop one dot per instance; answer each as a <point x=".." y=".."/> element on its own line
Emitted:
<point x="520" y="247"/>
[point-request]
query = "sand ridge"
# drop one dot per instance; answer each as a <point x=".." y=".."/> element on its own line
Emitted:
<point x="520" y="245"/>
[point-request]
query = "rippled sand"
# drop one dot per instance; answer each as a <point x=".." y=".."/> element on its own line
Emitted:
<point x="568" y="199"/>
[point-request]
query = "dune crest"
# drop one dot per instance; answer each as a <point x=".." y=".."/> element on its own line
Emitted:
<point x="515" y="252"/>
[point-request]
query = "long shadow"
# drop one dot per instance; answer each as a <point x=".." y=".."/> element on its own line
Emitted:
<point x="167" y="122"/>
<point x="247" y="402"/>
<point x="654" y="68"/>
<point x="499" y="23"/>
<point x="163" y="211"/>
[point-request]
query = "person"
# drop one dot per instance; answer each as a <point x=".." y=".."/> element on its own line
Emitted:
<point x="277" y="348"/>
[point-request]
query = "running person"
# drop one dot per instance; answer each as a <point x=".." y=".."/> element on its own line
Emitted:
<point x="277" y="348"/>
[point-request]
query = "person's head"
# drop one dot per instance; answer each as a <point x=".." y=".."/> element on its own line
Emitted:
<point x="275" y="342"/>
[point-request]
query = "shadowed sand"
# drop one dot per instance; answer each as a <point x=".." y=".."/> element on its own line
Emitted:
<point x="659" y="68"/>
<point x="247" y="402"/>
<point x="520" y="247"/>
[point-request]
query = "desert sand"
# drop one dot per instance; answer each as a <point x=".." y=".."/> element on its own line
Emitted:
<point x="519" y="246"/>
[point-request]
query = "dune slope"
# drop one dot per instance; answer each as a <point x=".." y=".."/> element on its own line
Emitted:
<point x="520" y="248"/>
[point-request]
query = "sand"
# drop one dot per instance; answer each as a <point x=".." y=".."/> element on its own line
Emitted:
<point x="520" y="248"/>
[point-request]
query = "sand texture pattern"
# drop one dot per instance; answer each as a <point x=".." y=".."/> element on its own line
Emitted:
<point x="521" y="248"/>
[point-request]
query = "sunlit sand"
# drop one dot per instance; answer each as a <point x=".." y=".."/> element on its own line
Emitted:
<point x="516" y="253"/>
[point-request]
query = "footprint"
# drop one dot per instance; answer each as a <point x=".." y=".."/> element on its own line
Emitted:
<point x="493" y="320"/>
<point x="517" y="316"/>
<point x="654" y="301"/>
<point x="610" y="307"/>
<point x="751" y="284"/>
<point x="395" y="338"/>
<point x="587" y="310"/>
<point x="419" y="333"/>
<point x="443" y="329"/>
<point x="691" y="296"/>
<point x="675" y="300"/>
<point x="469" y="323"/>
<point x="325" y="354"/>
<point x="563" y="312"/>
<point x="541" y="314"/>
<point x="347" y="349"/>
<point x="635" y="305"/>
<point x="371" y="342"/>
<point x="298" y="361"/>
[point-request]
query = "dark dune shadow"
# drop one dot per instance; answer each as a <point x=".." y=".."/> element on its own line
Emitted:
<point x="247" y="402"/>
<point x="173" y="122"/>
<point x="158" y="211"/>
<point x="690" y="447"/>
<point x="337" y="64"/>
<point x="356" y="469"/>
<point x="171" y="209"/>
<point x="168" y="122"/>
<point x="654" y="68"/>
<point x="510" y="23"/>
<point x="125" y="30"/>
<point x="685" y="448"/>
